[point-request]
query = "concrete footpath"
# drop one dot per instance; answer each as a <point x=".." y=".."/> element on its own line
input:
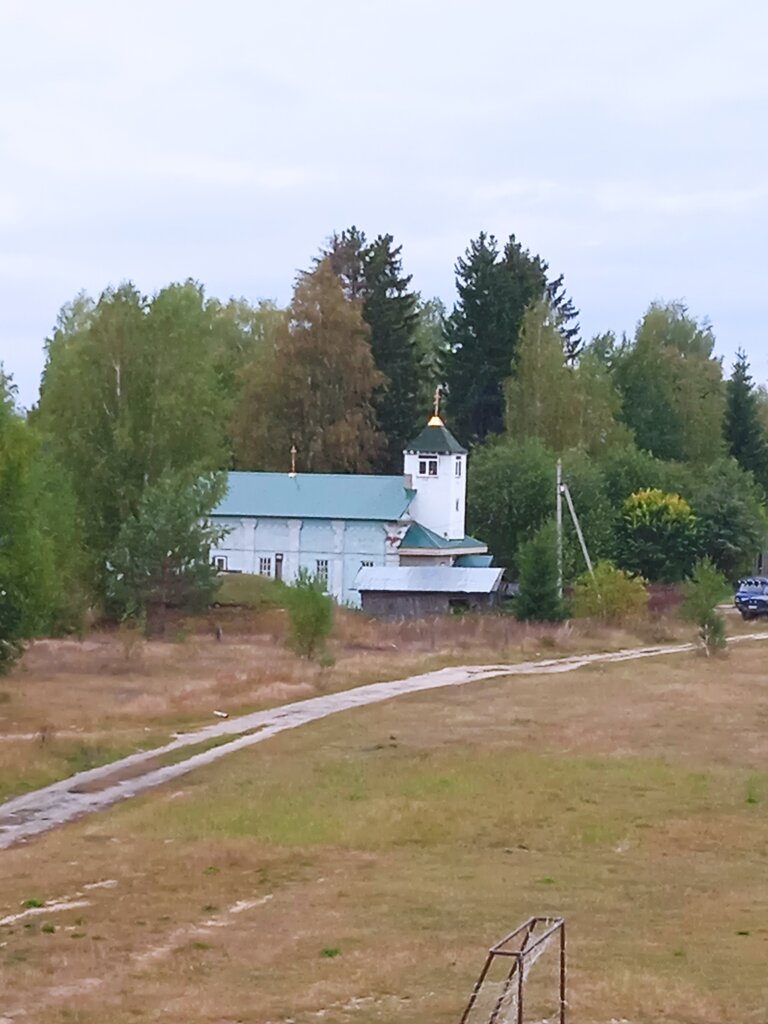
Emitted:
<point x="29" y="815"/>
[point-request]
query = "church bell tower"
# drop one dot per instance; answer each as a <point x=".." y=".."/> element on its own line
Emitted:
<point x="437" y="465"/>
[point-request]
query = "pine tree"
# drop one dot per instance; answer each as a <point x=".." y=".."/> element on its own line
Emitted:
<point x="744" y="433"/>
<point x="314" y="388"/>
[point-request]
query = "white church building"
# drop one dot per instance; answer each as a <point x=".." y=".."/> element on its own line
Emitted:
<point x="336" y="525"/>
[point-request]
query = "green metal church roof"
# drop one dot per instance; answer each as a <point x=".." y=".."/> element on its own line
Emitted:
<point x="422" y="538"/>
<point x="315" y="496"/>
<point x="435" y="441"/>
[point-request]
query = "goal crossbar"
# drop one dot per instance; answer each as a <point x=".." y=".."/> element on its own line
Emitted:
<point x="523" y="946"/>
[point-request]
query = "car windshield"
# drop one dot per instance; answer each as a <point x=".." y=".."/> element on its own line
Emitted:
<point x="752" y="586"/>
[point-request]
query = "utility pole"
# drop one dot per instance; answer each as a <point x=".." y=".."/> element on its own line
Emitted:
<point x="559" y="522"/>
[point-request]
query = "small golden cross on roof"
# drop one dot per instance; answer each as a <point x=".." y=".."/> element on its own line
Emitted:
<point x="438" y="393"/>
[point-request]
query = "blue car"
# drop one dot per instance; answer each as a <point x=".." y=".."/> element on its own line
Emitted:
<point x="752" y="597"/>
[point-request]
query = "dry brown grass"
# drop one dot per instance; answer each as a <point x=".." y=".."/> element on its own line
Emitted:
<point x="407" y="836"/>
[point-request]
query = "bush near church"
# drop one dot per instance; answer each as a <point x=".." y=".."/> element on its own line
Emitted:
<point x="611" y="595"/>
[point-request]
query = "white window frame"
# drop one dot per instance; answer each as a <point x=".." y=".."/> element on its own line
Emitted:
<point x="265" y="565"/>
<point x="428" y="465"/>
<point x="457" y="466"/>
<point x="322" y="571"/>
<point x="220" y="563"/>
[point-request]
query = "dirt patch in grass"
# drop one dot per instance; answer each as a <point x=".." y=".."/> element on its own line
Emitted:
<point x="405" y="837"/>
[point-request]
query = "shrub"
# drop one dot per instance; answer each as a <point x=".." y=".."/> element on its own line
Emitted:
<point x="657" y="535"/>
<point x="611" y="594"/>
<point x="705" y="589"/>
<point x="310" y="611"/>
<point x="539" y="600"/>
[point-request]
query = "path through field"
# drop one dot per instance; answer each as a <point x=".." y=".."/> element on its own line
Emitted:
<point x="26" y="816"/>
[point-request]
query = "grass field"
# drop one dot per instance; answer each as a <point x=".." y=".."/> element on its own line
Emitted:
<point x="73" y="704"/>
<point x="356" y="869"/>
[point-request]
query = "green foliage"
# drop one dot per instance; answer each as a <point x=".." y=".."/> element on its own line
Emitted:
<point x="565" y="406"/>
<point x="705" y="589"/>
<point x="538" y="599"/>
<point x="431" y="348"/>
<point x="161" y="556"/>
<point x="671" y="386"/>
<point x="744" y="432"/>
<point x="611" y="594"/>
<point x="250" y="591"/>
<point x="730" y="514"/>
<point x="372" y="273"/>
<point x="510" y="493"/>
<point x="311" y="614"/>
<point x="314" y="388"/>
<point x="657" y="535"/>
<point x="130" y="392"/>
<point x="482" y="332"/>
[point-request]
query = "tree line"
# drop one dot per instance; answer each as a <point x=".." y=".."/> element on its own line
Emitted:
<point x="143" y="397"/>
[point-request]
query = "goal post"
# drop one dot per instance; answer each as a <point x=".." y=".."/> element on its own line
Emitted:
<point x="499" y="995"/>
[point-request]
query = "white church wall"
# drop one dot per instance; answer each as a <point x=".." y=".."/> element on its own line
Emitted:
<point x="440" y="501"/>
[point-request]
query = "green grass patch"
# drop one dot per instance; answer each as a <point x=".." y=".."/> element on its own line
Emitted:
<point x="249" y="591"/>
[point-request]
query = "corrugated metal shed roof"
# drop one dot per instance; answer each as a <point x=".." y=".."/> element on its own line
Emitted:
<point x="428" y="579"/>
<point x="315" y="496"/>
<point x="421" y="538"/>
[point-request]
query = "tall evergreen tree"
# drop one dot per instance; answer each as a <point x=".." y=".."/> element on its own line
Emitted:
<point x="482" y="332"/>
<point x="744" y="432"/>
<point x="314" y="388"/>
<point x="390" y="310"/>
<point x="372" y="274"/>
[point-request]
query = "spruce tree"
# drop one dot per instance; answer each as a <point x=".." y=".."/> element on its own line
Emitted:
<point x="539" y="599"/>
<point x="372" y="274"/>
<point x="390" y="310"/>
<point x="482" y="332"/>
<point x="744" y="433"/>
<point x="481" y="335"/>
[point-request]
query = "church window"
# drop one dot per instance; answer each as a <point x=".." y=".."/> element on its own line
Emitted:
<point x="321" y="570"/>
<point x="457" y="470"/>
<point x="220" y="563"/>
<point x="265" y="566"/>
<point x="427" y="467"/>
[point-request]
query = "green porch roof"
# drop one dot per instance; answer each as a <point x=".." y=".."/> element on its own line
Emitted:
<point x="315" y="496"/>
<point x="421" y="538"/>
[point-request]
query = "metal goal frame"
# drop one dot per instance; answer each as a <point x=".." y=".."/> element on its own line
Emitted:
<point x="517" y="946"/>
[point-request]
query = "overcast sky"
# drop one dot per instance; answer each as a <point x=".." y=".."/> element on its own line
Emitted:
<point x="155" y="141"/>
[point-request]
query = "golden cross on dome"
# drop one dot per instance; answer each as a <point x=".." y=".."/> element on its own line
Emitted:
<point x="435" y="420"/>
